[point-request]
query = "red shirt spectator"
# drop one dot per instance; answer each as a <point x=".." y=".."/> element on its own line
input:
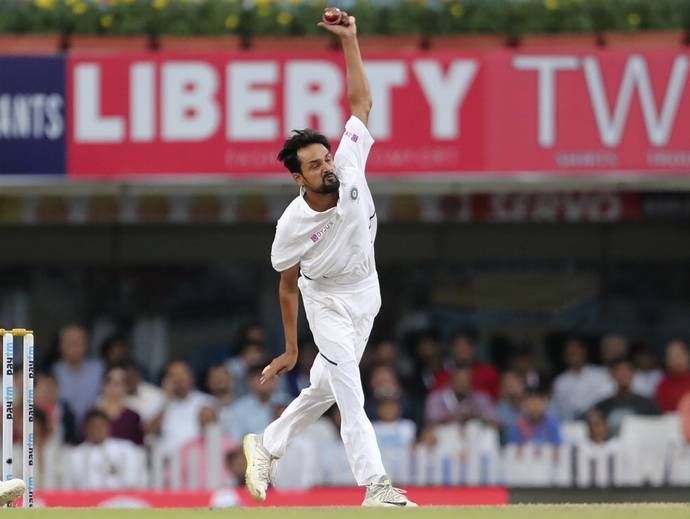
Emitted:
<point x="676" y="383"/>
<point x="485" y="377"/>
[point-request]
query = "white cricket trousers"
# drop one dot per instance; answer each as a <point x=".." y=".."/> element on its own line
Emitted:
<point x="340" y="319"/>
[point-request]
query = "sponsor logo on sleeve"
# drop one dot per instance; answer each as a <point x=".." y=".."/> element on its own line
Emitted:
<point x="353" y="136"/>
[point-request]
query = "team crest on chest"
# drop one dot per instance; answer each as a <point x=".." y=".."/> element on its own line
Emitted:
<point x="354" y="193"/>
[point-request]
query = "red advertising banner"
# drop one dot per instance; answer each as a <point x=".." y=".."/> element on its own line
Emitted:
<point x="443" y="496"/>
<point x="498" y="112"/>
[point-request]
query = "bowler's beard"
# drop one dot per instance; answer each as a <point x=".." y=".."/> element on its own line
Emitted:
<point x="330" y="183"/>
<point x="330" y="186"/>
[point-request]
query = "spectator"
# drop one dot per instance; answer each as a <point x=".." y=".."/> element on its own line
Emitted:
<point x="459" y="402"/>
<point x="647" y="372"/>
<point x="521" y="361"/>
<point x="612" y="347"/>
<point x="431" y="373"/>
<point x="509" y="406"/>
<point x="78" y="377"/>
<point x="254" y="411"/>
<point x="382" y="383"/>
<point x="581" y="385"/>
<point x="177" y="421"/>
<point x="115" y="351"/>
<point x="427" y="436"/>
<point x="251" y="355"/>
<point x="220" y="386"/>
<point x="60" y="420"/>
<point x="393" y="431"/>
<point x="485" y="378"/>
<point x="298" y="379"/>
<point x="253" y="333"/>
<point x="125" y="424"/>
<point x="386" y="352"/>
<point x="236" y="466"/>
<point x="143" y="398"/>
<point x="597" y="429"/>
<point x="535" y="424"/>
<point x="102" y="462"/>
<point x="623" y="402"/>
<point x="676" y="382"/>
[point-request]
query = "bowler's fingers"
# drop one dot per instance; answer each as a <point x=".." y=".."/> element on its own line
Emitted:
<point x="266" y="374"/>
<point x="269" y="372"/>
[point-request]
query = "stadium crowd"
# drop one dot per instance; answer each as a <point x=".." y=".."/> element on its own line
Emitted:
<point x="100" y="411"/>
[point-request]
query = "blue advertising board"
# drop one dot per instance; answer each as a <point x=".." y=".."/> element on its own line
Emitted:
<point x="32" y="115"/>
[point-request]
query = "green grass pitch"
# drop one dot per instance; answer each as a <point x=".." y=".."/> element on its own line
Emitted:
<point x="617" y="511"/>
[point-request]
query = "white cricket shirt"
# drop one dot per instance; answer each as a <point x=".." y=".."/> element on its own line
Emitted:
<point x="336" y="245"/>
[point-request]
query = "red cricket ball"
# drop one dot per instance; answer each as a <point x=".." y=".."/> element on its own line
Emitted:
<point x="332" y="15"/>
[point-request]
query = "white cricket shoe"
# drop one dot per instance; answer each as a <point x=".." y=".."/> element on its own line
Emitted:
<point x="11" y="490"/>
<point x="383" y="494"/>
<point x="259" y="461"/>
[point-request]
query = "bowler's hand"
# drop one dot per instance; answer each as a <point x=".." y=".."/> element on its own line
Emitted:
<point x="342" y="31"/>
<point x="281" y="364"/>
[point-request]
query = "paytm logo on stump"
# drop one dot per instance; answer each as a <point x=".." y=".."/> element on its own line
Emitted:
<point x="32" y="121"/>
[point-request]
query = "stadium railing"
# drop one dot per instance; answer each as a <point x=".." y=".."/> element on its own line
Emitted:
<point x="650" y="451"/>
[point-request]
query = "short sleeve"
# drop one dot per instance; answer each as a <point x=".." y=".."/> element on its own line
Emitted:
<point x="354" y="146"/>
<point x="513" y="435"/>
<point x="554" y="431"/>
<point x="286" y="252"/>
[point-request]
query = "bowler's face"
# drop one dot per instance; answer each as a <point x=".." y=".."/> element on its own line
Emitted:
<point x="318" y="171"/>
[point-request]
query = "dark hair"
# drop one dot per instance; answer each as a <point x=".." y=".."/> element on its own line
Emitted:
<point x="249" y="345"/>
<point x="536" y="391"/>
<point x="468" y="333"/>
<point x="93" y="414"/>
<point x="300" y="139"/>
<point x="130" y="364"/>
<point x="624" y="359"/>
<point x="110" y="342"/>
<point x="171" y="363"/>
<point x="640" y="347"/>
